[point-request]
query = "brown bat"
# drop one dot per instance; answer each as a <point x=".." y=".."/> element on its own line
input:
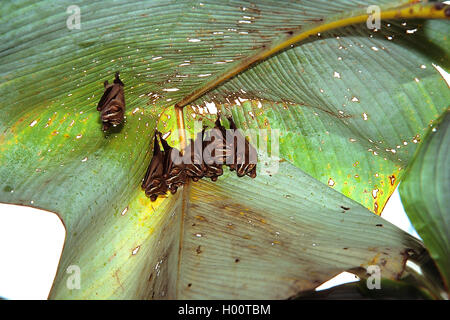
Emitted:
<point x="154" y="182"/>
<point x="196" y="169"/>
<point x="112" y="103"/>
<point x="224" y="148"/>
<point x="213" y="162"/>
<point x="174" y="174"/>
<point x="244" y="160"/>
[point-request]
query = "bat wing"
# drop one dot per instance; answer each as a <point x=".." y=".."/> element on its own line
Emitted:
<point x="167" y="154"/>
<point x="156" y="167"/>
<point x="109" y="94"/>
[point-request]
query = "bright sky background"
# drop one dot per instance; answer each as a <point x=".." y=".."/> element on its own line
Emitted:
<point x="31" y="242"/>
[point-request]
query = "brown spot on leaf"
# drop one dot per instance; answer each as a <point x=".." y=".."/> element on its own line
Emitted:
<point x="392" y="179"/>
<point x="201" y="218"/>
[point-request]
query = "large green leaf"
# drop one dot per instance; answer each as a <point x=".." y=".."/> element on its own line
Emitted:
<point x="425" y="190"/>
<point x="351" y="106"/>
<point x="238" y="238"/>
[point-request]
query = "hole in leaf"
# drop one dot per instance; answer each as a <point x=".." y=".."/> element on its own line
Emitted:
<point x="31" y="243"/>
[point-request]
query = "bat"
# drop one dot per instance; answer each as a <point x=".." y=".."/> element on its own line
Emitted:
<point x="245" y="154"/>
<point x="154" y="183"/>
<point x="196" y="169"/>
<point x="112" y="103"/>
<point x="217" y="150"/>
<point x="214" y="151"/>
<point x="174" y="174"/>
<point x="224" y="147"/>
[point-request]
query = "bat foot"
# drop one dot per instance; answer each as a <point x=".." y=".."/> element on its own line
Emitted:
<point x="117" y="79"/>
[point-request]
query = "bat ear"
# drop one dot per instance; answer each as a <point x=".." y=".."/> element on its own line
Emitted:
<point x="156" y="148"/>
<point x="164" y="143"/>
<point x="105" y="83"/>
<point x="159" y="133"/>
<point x="232" y="124"/>
<point x="117" y="79"/>
<point x="217" y="123"/>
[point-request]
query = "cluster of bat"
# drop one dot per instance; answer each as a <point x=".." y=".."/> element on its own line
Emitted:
<point x="204" y="157"/>
<point x="169" y="169"/>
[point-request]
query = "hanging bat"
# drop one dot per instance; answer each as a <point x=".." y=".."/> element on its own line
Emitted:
<point x="196" y="169"/>
<point x="217" y="151"/>
<point x="154" y="183"/>
<point x="224" y="148"/>
<point x="174" y="174"/>
<point x="212" y="162"/>
<point x="245" y="154"/>
<point x="112" y="103"/>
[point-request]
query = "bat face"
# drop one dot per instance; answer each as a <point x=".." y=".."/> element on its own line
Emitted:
<point x="246" y="169"/>
<point x="112" y="114"/>
<point x="112" y="104"/>
<point x="214" y="171"/>
<point x="156" y="188"/>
